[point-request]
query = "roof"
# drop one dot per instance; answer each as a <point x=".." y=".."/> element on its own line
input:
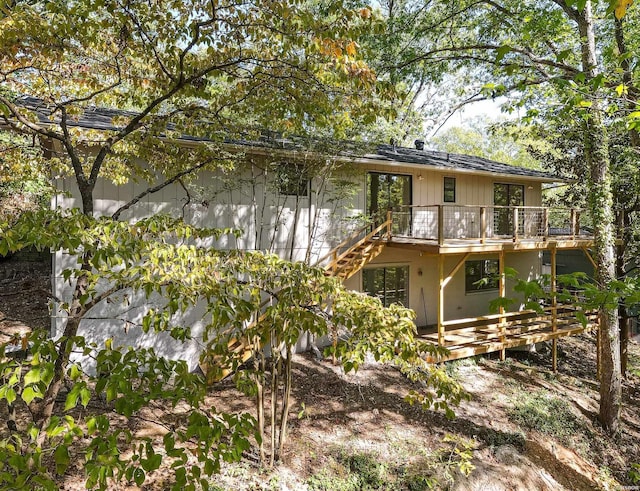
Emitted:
<point x="455" y="162"/>
<point x="103" y="119"/>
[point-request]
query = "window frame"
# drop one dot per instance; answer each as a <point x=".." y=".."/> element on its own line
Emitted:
<point x="448" y="180"/>
<point x="493" y="283"/>
<point x="383" y="298"/>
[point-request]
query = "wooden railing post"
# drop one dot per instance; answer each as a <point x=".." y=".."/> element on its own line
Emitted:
<point x="389" y="223"/>
<point x="503" y="292"/>
<point x="440" y="310"/>
<point x="483" y="224"/>
<point x="573" y="223"/>
<point x="554" y="311"/>
<point x="545" y="223"/>
<point x="440" y="225"/>
<point x="515" y="224"/>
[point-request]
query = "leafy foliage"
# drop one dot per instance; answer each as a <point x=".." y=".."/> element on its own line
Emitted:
<point x="161" y="256"/>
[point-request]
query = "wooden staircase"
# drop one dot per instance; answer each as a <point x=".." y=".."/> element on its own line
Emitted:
<point x="356" y="255"/>
<point x="345" y="260"/>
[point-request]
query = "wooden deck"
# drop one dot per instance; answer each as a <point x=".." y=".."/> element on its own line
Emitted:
<point x="463" y="246"/>
<point x="491" y="333"/>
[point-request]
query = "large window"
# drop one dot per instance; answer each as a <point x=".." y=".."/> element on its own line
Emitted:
<point x="292" y="179"/>
<point x="390" y="192"/>
<point x="481" y="275"/>
<point x="389" y="284"/>
<point x="449" y="189"/>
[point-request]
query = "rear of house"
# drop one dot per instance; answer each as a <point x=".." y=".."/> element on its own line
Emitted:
<point x="433" y="231"/>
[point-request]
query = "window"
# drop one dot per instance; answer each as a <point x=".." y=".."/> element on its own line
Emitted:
<point x="390" y="192"/>
<point x="292" y="179"/>
<point x="481" y="275"/>
<point x="390" y="284"/>
<point x="449" y="189"/>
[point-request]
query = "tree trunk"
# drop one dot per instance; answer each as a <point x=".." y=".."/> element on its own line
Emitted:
<point x="284" y="415"/>
<point x="601" y="204"/>
<point x="43" y="409"/>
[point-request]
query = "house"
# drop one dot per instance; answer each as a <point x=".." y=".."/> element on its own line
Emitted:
<point x="433" y="231"/>
<point x="436" y="232"/>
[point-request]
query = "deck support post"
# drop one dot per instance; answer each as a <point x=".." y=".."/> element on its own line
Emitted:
<point x="503" y="290"/>
<point x="441" y="285"/>
<point x="554" y="311"/>
<point x="440" y="224"/>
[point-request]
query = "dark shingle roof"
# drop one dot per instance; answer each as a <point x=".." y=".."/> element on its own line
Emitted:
<point x="103" y="119"/>
<point x="454" y="162"/>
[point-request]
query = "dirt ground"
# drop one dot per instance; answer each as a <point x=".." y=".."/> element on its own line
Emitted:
<point x="334" y="415"/>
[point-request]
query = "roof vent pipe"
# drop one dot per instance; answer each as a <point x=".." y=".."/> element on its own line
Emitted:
<point x="419" y="144"/>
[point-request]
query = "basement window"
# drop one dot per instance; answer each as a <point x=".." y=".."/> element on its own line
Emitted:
<point x="389" y="284"/>
<point x="481" y="275"/>
<point x="292" y="179"/>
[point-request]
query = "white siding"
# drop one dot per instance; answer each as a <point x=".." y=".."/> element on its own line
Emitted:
<point x="267" y="220"/>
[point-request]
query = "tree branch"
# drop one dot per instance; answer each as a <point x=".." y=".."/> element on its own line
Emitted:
<point x="160" y="186"/>
<point x="35" y="128"/>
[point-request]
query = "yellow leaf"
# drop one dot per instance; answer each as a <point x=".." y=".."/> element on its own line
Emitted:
<point x="621" y="7"/>
<point x="621" y="89"/>
<point x="351" y="48"/>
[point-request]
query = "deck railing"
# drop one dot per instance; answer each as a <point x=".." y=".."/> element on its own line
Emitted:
<point x="448" y="222"/>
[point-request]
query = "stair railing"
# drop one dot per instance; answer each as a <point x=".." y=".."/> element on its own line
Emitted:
<point x="333" y="265"/>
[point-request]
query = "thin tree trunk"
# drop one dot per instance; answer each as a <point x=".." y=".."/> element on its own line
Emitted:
<point x="275" y="382"/>
<point x="43" y="409"/>
<point x="254" y="206"/>
<point x="259" y="381"/>
<point x="296" y="218"/>
<point x="632" y="97"/>
<point x="277" y="223"/>
<point x="284" y="415"/>
<point x="320" y="194"/>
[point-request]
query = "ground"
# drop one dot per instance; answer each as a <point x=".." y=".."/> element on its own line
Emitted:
<point x="524" y="428"/>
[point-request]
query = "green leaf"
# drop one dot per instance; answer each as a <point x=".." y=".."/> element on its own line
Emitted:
<point x="72" y="398"/>
<point x="138" y="476"/>
<point x="30" y="393"/>
<point x="85" y="396"/>
<point x="8" y="393"/>
<point x="32" y="376"/>
<point x="74" y="372"/>
<point x="62" y="459"/>
<point x="502" y="51"/>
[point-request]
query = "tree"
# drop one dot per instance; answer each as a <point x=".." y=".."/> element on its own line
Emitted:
<point x="526" y="50"/>
<point x="180" y="68"/>
<point x="501" y="142"/>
